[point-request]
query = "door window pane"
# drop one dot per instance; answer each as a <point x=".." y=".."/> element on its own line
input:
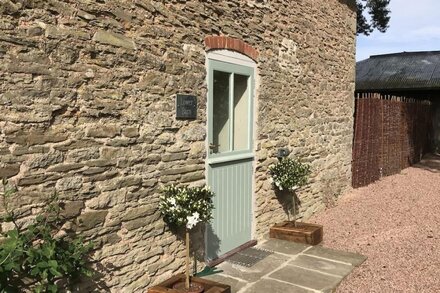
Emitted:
<point x="241" y="112"/>
<point x="221" y="119"/>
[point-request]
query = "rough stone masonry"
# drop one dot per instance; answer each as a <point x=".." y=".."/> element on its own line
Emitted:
<point x="87" y="110"/>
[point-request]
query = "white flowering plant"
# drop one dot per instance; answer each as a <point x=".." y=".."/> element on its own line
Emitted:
<point x="289" y="174"/>
<point x="186" y="206"/>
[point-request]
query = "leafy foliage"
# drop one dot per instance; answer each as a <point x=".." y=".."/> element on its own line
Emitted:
<point x="289" y="173"/>
<point x="379" y="14"/>
<point x="39" y="253"/>
<point x="186" y="206"/>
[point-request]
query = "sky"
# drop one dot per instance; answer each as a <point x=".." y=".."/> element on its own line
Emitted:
<point x="414" y="26"/>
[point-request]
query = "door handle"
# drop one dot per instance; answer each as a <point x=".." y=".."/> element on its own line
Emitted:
<point x="212" y="145"/>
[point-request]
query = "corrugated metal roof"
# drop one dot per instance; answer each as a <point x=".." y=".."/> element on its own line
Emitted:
<point x="399" y="71"/>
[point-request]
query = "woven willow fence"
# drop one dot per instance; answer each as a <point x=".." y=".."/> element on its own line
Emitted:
<point x="390" y="134"/>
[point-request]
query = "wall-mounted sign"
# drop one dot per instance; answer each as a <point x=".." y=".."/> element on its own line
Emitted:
<point x="186" y="106"/>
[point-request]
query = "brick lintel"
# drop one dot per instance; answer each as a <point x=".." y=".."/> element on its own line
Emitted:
<point x="224" y="42"/>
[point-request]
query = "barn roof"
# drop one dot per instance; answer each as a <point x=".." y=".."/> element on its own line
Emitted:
<point x="399" y="71"/>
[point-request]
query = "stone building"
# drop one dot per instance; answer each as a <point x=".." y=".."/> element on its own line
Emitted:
<point x="88" y="110"/>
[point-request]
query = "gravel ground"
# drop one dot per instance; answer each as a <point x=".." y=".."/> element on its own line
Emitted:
<point x="395" y="222"/>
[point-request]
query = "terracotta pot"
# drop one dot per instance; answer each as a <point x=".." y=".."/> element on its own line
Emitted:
<point x="193" y="287"/>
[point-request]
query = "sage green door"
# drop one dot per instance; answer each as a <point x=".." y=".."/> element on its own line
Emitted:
<point x="230" y="156"/>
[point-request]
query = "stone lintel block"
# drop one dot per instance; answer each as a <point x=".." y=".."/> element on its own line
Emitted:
<point x="114" y="39"/>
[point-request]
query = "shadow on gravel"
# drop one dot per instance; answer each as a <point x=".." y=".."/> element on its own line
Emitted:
<point x="430" y="162"/>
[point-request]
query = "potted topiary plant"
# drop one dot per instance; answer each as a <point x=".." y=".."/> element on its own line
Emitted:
<point x="288" y="175"/>
<point x="185" y="207"/>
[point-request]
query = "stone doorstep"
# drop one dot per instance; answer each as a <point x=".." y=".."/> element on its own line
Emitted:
<point x="292" y="268"/>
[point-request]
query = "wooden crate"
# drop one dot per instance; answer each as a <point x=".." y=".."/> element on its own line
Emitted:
<point x="210" y="286"/>
<point x="303" y="232"/>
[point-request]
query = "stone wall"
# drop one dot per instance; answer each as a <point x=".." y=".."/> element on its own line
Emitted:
<point x="87" y="111"/>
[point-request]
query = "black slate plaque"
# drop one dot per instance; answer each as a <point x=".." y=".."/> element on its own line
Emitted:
<point x="186" y="106"/>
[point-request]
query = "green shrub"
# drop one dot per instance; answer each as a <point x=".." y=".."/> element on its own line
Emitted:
<point x="40" y="255"/>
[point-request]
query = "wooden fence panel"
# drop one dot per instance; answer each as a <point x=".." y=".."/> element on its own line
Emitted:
<point x="390" y="134"/>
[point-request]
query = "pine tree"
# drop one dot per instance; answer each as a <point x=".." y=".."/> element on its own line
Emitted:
<point x="379" y="13"/>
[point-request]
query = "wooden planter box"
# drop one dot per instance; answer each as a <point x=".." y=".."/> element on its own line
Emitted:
<point x="210" y="286"/>
<point x="303" y="232"/>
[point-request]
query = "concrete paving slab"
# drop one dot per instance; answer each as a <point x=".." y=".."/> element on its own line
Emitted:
<point x="306" y="278"/>
<point x="274" y="286"/>
<point x="322" y="265"/>
<point x="293" y="267"/>
<point x="236" y="285"/>
<point x="283" y="246"/>
<point x="343" y="256"/>
<point x="255" y="272"/>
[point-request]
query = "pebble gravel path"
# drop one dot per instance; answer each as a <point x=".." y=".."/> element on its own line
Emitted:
<point x="395" y="222"/>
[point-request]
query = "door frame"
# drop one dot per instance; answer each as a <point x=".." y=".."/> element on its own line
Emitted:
<point x="234" y="58"/>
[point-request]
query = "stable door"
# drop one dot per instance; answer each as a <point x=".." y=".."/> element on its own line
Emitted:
<point x="230" y="155"/>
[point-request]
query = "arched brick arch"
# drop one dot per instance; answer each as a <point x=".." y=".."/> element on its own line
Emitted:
<point x="223" y="42"/>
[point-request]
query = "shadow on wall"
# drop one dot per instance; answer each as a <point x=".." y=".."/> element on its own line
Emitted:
<point x="289" y="201"/>
<point x="430" y="162"/>
<point x="213" y="243"/>
<point x="96" y="283"/>
<point x="197" y="243"/>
